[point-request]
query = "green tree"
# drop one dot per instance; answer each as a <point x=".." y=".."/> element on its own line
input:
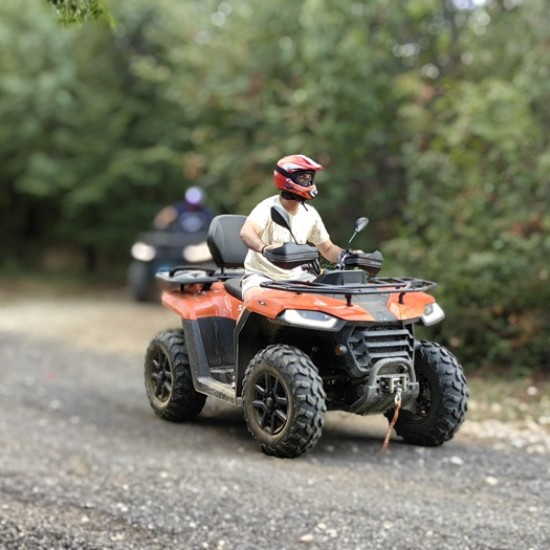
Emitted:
<point x="77" y="11"/>
<point x="477" y="215"/>
<point x="91" y="148"/>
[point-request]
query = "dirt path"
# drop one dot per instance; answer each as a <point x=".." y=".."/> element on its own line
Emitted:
<point x="84" y="463"/>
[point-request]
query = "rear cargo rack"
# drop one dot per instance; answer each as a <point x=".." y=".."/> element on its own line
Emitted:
<point x="374" y="285"/>
<point x="182" y="275"/>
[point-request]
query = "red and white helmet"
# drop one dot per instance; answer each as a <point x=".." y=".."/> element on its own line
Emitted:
<point x="296" y="175"/>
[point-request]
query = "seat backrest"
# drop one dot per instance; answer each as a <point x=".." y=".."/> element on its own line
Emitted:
<point x="224" y="241"/>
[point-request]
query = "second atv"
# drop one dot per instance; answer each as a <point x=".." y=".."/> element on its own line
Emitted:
<point x="345" y="342"/>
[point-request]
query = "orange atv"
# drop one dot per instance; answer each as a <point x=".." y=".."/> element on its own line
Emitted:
<point x="342" y="342"/>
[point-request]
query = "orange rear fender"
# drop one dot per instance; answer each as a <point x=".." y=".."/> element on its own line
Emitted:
<point x="215" y="302"/>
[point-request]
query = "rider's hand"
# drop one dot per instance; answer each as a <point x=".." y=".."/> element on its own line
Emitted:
<point x="270" y="246"/>
<point x="347" y="252"/>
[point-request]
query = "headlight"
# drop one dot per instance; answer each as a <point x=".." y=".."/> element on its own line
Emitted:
<point x="432" y="314"/>
<point x="308" y="319"/>
<point x="143" y="252"/>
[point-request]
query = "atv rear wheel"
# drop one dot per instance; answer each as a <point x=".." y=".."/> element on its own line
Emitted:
<point x="442" y="400"/>
<point x="168" y="380"/>
<point x="283" y="401"/>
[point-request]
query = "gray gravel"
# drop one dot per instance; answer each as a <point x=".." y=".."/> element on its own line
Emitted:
<point x="84" y="463"/>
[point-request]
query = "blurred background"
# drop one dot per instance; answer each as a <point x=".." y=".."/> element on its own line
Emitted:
<point x="431" y="117"/>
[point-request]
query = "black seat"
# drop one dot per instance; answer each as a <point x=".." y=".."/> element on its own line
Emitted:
<point x="233" y="286"/>
<point x="227" y="248"/>
<point x="224" y="242"/>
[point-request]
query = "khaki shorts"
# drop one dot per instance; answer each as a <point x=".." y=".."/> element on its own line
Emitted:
<point x="253" y="279"/>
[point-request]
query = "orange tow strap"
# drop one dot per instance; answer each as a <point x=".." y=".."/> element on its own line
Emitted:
<point x="386" y="443"/>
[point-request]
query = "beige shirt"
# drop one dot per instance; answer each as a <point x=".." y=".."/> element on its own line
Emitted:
<point x="307" y="226"/>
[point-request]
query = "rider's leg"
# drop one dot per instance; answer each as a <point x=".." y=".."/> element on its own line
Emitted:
<point x="251" y="292"/>
<point x="251" y="285"/>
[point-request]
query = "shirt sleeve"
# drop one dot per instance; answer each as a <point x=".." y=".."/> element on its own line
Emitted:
<point x="259" y="214"/>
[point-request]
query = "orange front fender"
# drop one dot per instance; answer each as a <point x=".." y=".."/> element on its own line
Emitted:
<point x="272" y="303"/>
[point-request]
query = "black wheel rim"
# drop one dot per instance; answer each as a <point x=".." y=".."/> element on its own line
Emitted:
<point x="270" y="403"/>
<point x="161" y="376"/>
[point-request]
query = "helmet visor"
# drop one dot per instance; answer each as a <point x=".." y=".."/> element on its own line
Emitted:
<point x="304" y="178"/>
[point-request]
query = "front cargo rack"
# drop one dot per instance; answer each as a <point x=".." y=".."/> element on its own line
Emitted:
<point x="374" y="285"/>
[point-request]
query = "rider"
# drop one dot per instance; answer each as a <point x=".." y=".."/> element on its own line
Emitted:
<point x="189" y="215"/>
<point x="294" y="175"/>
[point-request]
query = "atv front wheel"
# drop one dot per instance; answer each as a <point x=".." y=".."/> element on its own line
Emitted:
<point x="141" y="281"/>
<point x="283" y="401"/>
<point x="168" y="380"/>
<point x="442" y="400"/>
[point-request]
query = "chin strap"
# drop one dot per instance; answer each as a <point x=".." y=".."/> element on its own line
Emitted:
<point x="292" y="197"/>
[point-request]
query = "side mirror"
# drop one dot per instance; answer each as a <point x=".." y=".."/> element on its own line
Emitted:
<point x="280" y="217"/>
<point x="360" y="224"/>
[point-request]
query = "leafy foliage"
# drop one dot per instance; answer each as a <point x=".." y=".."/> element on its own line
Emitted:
<point x="428" y="118"/>
<point x="77" y="11"/>
<point x="478" y="195"/>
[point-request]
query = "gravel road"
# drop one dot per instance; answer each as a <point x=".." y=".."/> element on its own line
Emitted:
<point x="84" y="462"/>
